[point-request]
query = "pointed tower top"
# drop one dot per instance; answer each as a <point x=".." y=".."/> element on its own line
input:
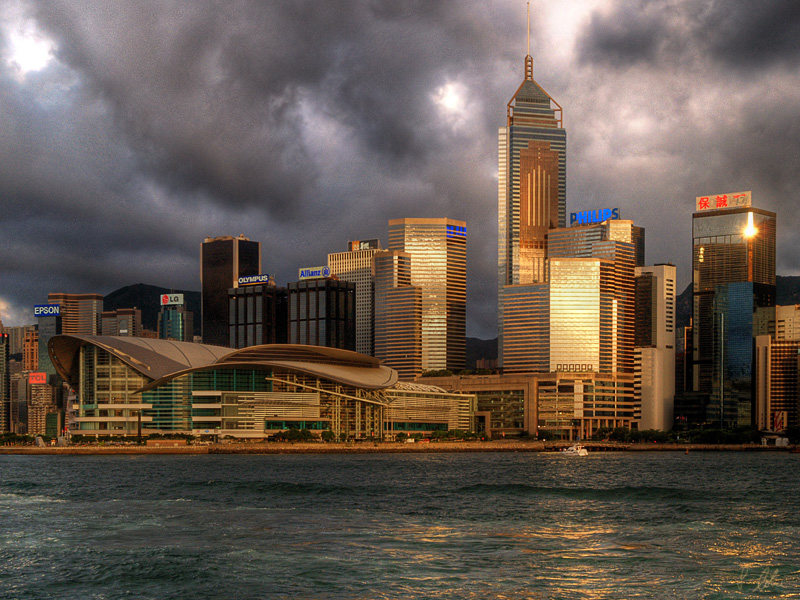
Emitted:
<point x="528" y="57"/>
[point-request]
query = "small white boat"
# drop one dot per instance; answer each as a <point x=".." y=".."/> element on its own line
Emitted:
<point x="576" y="450"/>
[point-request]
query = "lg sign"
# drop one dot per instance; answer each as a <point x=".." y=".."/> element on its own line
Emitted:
<point x="171" y="299"/>
<point x="46" y="310"/>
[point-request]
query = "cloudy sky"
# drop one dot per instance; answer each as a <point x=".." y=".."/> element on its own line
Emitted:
<point x="129" y="131"/>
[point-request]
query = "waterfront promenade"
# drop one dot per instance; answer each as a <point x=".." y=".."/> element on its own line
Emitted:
<point x="381" y="447"/>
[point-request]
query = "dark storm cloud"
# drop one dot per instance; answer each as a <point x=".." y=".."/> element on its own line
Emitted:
<point x="743" y="35"/>
<point x="303" y="125"/>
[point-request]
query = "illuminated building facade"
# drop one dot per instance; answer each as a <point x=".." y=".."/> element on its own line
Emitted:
<point x="30" y="351"/>
<point x="398" y="314"/>
<point x="654" y="354"/>
<point x="322" y="312"/>
<point x="438" y="251"/>
<point x="532" y="178"/>
<point x="733" y="265"/>
<point x="356" y="265"/>
<point x="567" y="405"/>
<point x="526" y="327"/>
<point x="223" y="260"/>
<point x="5" y="383"/>
<point x="80" y="313"/>
<point x="161" y="386"/>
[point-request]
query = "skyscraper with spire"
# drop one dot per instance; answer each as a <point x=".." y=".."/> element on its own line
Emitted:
<point x="532" y="177"/>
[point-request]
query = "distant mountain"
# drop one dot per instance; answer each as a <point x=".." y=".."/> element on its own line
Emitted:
<point x="147" y="298"/>
<point x="787" y="292"/>
<point x="477" y="349"/>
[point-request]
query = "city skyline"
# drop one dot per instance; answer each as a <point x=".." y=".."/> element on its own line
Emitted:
<point x="150" y="128"/>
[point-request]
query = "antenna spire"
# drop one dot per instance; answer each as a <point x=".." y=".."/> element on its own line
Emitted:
<point x="528" y="57"/>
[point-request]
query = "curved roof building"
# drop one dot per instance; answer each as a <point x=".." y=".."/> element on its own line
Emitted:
<point x="124" y="383"/>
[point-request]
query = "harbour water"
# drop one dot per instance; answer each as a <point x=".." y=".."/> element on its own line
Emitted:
<point x="528" y="525"/>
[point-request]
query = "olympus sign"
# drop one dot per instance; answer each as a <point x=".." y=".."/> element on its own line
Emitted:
<point x="253" y="279"/>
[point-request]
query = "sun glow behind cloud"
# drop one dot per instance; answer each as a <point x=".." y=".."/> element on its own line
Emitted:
<point x="27" y="48"/>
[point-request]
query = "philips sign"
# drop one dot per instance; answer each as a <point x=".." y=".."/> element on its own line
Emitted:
<point x="587" y="217"/>
<point x="315" y="273"/>
<point x="46" y="310"/>
<point x="253" y="279"/>
<point x="169" y="299"/>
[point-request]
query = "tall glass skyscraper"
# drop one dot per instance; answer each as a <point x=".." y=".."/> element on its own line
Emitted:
<point x="733" y="266"/>
<point x="438" y="251"/>
<point x="532" y="186"/>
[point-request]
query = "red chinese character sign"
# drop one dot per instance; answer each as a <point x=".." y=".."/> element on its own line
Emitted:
<point x="717" y="201"/>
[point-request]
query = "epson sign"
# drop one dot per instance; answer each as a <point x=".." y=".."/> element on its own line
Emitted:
<point x="587" y="217"/>
<point x="315" y="273"/>
<point x="253" y="279"/>
<point x="46" y="310"/>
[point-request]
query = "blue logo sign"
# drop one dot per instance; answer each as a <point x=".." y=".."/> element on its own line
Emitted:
<point x="46" y="310"/>
<point x="253" y="279"/>
<point x="587" y="217"/>
<point x="315" y="273"/>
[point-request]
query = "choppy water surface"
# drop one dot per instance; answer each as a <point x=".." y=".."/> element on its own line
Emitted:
<point x="612" y="525"/>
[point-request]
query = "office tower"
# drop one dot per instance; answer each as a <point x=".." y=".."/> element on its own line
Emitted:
<point x="526" y="326"/>
<point x="42" y="401"/>
<point x="175" y="321"/>
<point x="125" y="322"/>
<point x="733" y="266"/>
<point x="50" y="324"/>
<point x="438" y="251"/>
<point x="5" y="383"/>
<point x="223" y="260"/>
<point x="80" y="313"/>
<point x="17" y="336"/>
<point x="654" y="381"/>
<point x="322" y="312"/>
<point x="30" y="351"/>
<point x="258" y="314"/>
<point x="356" y="265"/>
<point x="532" y="186"/>
<point x="398" y="314"/>
<point x="595" y="269"/>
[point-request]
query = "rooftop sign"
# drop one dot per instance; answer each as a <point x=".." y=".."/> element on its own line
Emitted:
<point x="46" y="310"/>
<point x="314" y="273"/>
<point x="588" y="217"/>
<point x="169" y="299"/>
<point x="717" y="201"/>
<point x="254" y="280"/>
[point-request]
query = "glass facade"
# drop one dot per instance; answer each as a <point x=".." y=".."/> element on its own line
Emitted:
<point x="356" y="266"/>
<point x="438" y="252"/>
<point x="723" y="313"/>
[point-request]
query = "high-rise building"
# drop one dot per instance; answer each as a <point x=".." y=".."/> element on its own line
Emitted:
<point x="258" y="314"/>
<point x="438" y="251"/>
<point x="322" y="312"/>
<point x="356" y="265"/>
<point x="398" y="314"/>
<point x="175" y="320"/>
<point x="50" y="324"/>
<point x="5" y="383"/>
<point x="223" y="260"/>
<point x="30" y="351"/>
<point x="125" y="322"/>
<point x="733" y="266"/>
<point x="80" y="313"/>
<point x="532" y="186"/>
<point x="654" y="381"/>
